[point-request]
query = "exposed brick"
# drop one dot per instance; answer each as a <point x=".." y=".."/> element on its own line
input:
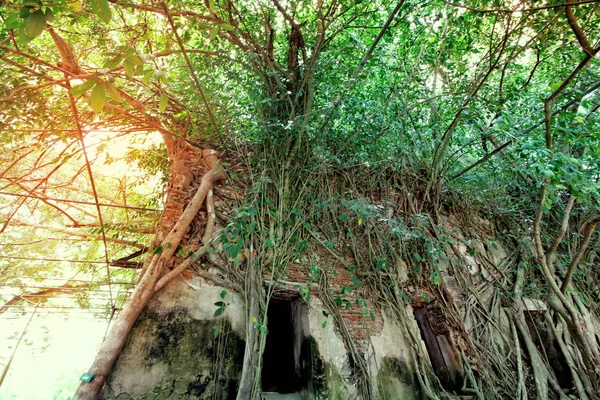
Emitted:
<point x="361" y="327"/>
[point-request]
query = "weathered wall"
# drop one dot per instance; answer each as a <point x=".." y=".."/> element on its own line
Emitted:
<point x="339" y="382"/>
<point x="173" y="353"/>
<point x="360" y="326"/>
<point x="391" y="361"/>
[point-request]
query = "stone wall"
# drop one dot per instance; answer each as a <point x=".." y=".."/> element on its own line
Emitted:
<point x="173" y="351"/>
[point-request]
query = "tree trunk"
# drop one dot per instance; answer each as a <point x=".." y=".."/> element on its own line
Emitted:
<point x="147" y="287"/>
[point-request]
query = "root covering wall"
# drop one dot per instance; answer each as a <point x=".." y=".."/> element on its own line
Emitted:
<point x="179" y="348"/>
<point x="173" y="353"/>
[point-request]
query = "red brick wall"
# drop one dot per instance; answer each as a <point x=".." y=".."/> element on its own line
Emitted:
<point x="361" y="327"/>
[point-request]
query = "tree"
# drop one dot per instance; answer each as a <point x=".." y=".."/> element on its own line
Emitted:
<point x="316" y="96"/>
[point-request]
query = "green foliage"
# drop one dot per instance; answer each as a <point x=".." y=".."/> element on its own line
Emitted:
<point x="221" y="305"/>
<point x="102" y="9"/>
<point x="34" y="23"/>
<point x="342" y="151"/>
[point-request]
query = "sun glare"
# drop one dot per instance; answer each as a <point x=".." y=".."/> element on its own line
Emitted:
<point x="48" y="342"/>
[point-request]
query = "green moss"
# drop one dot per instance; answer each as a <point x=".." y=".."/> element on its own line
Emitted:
<point x="336" y="387"/>
<point x="317" y="376"/>
<point x="189" y="361"/>
<point x="396" y="380"/>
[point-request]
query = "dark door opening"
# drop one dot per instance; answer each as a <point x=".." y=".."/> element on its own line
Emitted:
<point x="285" y="358"/>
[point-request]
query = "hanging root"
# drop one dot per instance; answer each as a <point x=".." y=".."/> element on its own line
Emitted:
<point x="147" y="287"/>
<point x="174" y="237"/>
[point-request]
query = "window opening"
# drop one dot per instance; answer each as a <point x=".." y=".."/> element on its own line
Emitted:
<point x="436" y="335"/>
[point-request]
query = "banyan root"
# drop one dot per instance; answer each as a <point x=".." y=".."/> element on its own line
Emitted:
<point x="153" y="279"/>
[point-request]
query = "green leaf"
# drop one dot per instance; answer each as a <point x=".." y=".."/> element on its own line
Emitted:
<point x="34" y="24"/>
<point x="219" y="311"/>
<point x="128" y="67"/>
<point x="25" y="12"/>
<point x="114" y="61"/>
<point x="12" y="21"/>
<point x="98" y="97"/>
<point x="217" y="331"/>
<point x="548" y="174"/>
<point x="214" y="32"/>
<point x="158" y="250"/>
<point x="223" y="293"/>
<point x="23" y="37"/>
<point x="372" y="316"/>
<point x="147" y="75"/>
<point x="49" y="15"/>
<point x="404" y="297"/>
<point x="164" y="101"/>
<point x="78" y="90"/>
<point x="227" y="27"/>
<point x="113" y="92"/>
<point x="338" y="301"/>
<point x="135" y="59"/>
<point x="220" y="304"/>
<point x="102" y="9"/>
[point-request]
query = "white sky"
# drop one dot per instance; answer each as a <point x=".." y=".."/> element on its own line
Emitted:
<point x="58" y="348"/>
<point x="53" y="354"/>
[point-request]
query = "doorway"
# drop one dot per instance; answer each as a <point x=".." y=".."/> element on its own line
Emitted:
<point x="287" y="351"/>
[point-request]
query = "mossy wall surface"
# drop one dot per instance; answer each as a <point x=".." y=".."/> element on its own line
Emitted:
<point x="395" y="380"/>
<point x="169" y="355"/>
<point x="336" y="387"/>
<point x="172" y="353"/>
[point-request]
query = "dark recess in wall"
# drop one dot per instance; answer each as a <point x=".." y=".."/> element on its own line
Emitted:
<point x="287" y="350"/>
<point x="435" y="334"/>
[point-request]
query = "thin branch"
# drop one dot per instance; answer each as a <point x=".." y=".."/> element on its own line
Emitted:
<point x="54" y="260"/>
<point x="503" y="10"/>
<point x="589" y="230"/>
<point x="93" y="186"/>
<point x="581" y="38"/>
<point x="561" y="232"/>
<point x="191" y="68"/>
<point x="45" y="198"/>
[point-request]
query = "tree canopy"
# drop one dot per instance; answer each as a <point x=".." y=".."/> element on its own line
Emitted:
<point x="490" y="107"/>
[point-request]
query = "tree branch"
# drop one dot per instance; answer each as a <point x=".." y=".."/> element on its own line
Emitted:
<point x="588" y="230"/>
<point x="581" y="38"/>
